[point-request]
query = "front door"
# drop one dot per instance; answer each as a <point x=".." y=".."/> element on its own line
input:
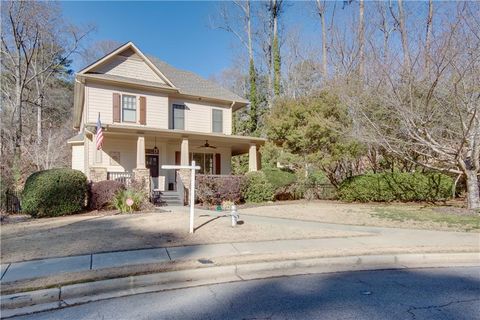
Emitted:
<point x="151" y="161"/>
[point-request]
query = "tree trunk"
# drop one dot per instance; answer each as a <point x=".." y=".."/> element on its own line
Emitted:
<point x="428" y="36"/>
<point x="361" y="38"/>
<point x="19" y="106"/>
<point x="321" y="13"/>
<point x="39" y="120"/>
<point x="473" y="193"/>
<point x="253" y="116"/>
<point x="275" y="49"/>
<point x="252" y="73"/>
<point x="404" y="37"/>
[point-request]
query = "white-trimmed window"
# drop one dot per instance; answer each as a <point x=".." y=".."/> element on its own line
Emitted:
<point x="129" y="108"/>
<point x="217" y="120"/>
<point x="204" y="160"/>
<point x="178" y="116"/>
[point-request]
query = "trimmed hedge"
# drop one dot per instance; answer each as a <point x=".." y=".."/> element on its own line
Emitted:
<point x="385" y="187"/>
<point x="54" y="192"/>
<point x="102" y="193"/>
<point x="279" y="178"/>
<point x="213" y="190"/>
<point x="257" y="188"/>
<point x="283" y="183"/>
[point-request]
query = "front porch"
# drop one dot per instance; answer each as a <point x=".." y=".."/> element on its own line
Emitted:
<point x="128" y="154"/>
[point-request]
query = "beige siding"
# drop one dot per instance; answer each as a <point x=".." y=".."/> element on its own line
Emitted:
<point x="131" y="67"/>
<point x="124" y="147"/>
<point x="227" y="120"/>
<point x="99" y="99"/>
<point x="198" y="116"/>
<point x="78" y="157"/>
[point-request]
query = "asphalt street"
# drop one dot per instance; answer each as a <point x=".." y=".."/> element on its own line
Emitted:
<point x="434" y="293"/>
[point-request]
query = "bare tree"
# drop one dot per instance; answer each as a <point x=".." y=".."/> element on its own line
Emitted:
<point x="35" y="46"/>
<point x="361" y="37"/>
<point x="400" y="21"/>
<point x="428" y="36"/>
<point x="321" y="9"/>
<point x="244" y="33"/>
<point x="433" y="122"/>
<point x="97" y="50"/>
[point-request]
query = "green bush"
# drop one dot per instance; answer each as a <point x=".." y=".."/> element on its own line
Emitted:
<point x="120" y="200"/>
<point x="256" y="187"/>
<point x="385" y="187"/>
<point x="279" y="178"/>
<point x="54" y="192"/>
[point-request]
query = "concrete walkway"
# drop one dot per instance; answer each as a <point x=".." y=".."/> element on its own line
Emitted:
<point x="379" y="238"/>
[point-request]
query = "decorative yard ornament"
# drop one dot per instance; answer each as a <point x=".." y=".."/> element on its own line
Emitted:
<point x="129" y="203"/>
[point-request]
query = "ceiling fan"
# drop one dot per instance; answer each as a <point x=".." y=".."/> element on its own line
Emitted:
<point x="207" y="145"/>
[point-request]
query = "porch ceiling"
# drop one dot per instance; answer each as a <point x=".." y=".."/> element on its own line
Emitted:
<point x="238" y="144"/>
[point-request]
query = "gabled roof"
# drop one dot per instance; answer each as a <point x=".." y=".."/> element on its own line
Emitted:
<point x="185" y="82"/>
<point x="189" y="83"/>
<point x="128" y="45"/>
<point x="79" y="138"/>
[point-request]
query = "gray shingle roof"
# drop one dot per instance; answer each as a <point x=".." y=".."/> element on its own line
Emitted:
<point x="190" y="83"/>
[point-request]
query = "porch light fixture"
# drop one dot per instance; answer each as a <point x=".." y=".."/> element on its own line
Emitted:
<point x="155" y="149"/>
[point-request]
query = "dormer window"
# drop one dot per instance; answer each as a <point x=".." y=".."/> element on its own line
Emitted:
<point x="129" y="108"/>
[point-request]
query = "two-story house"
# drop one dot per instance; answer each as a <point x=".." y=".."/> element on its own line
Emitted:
<point x="153" y="114"/>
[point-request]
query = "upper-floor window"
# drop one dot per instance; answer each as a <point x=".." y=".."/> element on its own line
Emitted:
<point x="217" y="120"/>
<point x="178" y="116"/>
<point x="129" y="108"/>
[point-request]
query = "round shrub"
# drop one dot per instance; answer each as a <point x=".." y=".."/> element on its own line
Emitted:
<point x="54" y="192"/>
<point x="279" y="178"/>
<point x="385" y="187"/>
<point x="102" y="193"/>
<point x="257" y="188"/>
<point x="282" y="182"/>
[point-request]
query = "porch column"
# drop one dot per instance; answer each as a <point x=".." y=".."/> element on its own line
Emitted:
<point x="141" y="152"/>
<point x="141" y="173"/>
<point x="184" y="161"/>
<point x="252" y="158"/>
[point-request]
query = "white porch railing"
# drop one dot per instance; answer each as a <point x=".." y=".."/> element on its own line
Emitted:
<point x="124" y="177"/>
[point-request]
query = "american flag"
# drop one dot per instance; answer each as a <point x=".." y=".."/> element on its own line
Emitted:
<point x="99" y="135"/>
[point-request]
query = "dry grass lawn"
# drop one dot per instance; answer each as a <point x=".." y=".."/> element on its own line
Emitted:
<point x="414" y="216"/>
<point x="85" y="234"/>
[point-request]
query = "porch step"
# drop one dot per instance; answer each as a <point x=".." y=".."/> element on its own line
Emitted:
<point x="171" y="198"/>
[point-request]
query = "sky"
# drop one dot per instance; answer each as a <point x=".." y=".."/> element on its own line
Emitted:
<point x="176" y="32"/>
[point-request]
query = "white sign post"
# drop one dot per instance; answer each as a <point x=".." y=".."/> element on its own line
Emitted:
<point x="193" y="167"/>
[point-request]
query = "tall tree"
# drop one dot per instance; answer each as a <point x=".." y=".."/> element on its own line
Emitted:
<point x="433" y="121"/>
<point x="428" y="35"/>
<point x="275" y="9"/>
<point x="321" y="9"/>
<point x="36" y="45"/>
<point x="400" y="21"/>
<point x="361" y="37"/>
<point x="244" y="34"/>
<point x="36" y="49"/>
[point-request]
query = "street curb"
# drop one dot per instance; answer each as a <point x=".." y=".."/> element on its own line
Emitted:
<point x="68" y="295"/>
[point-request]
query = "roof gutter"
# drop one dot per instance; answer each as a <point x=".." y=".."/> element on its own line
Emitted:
<point x="78" y="101"/>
